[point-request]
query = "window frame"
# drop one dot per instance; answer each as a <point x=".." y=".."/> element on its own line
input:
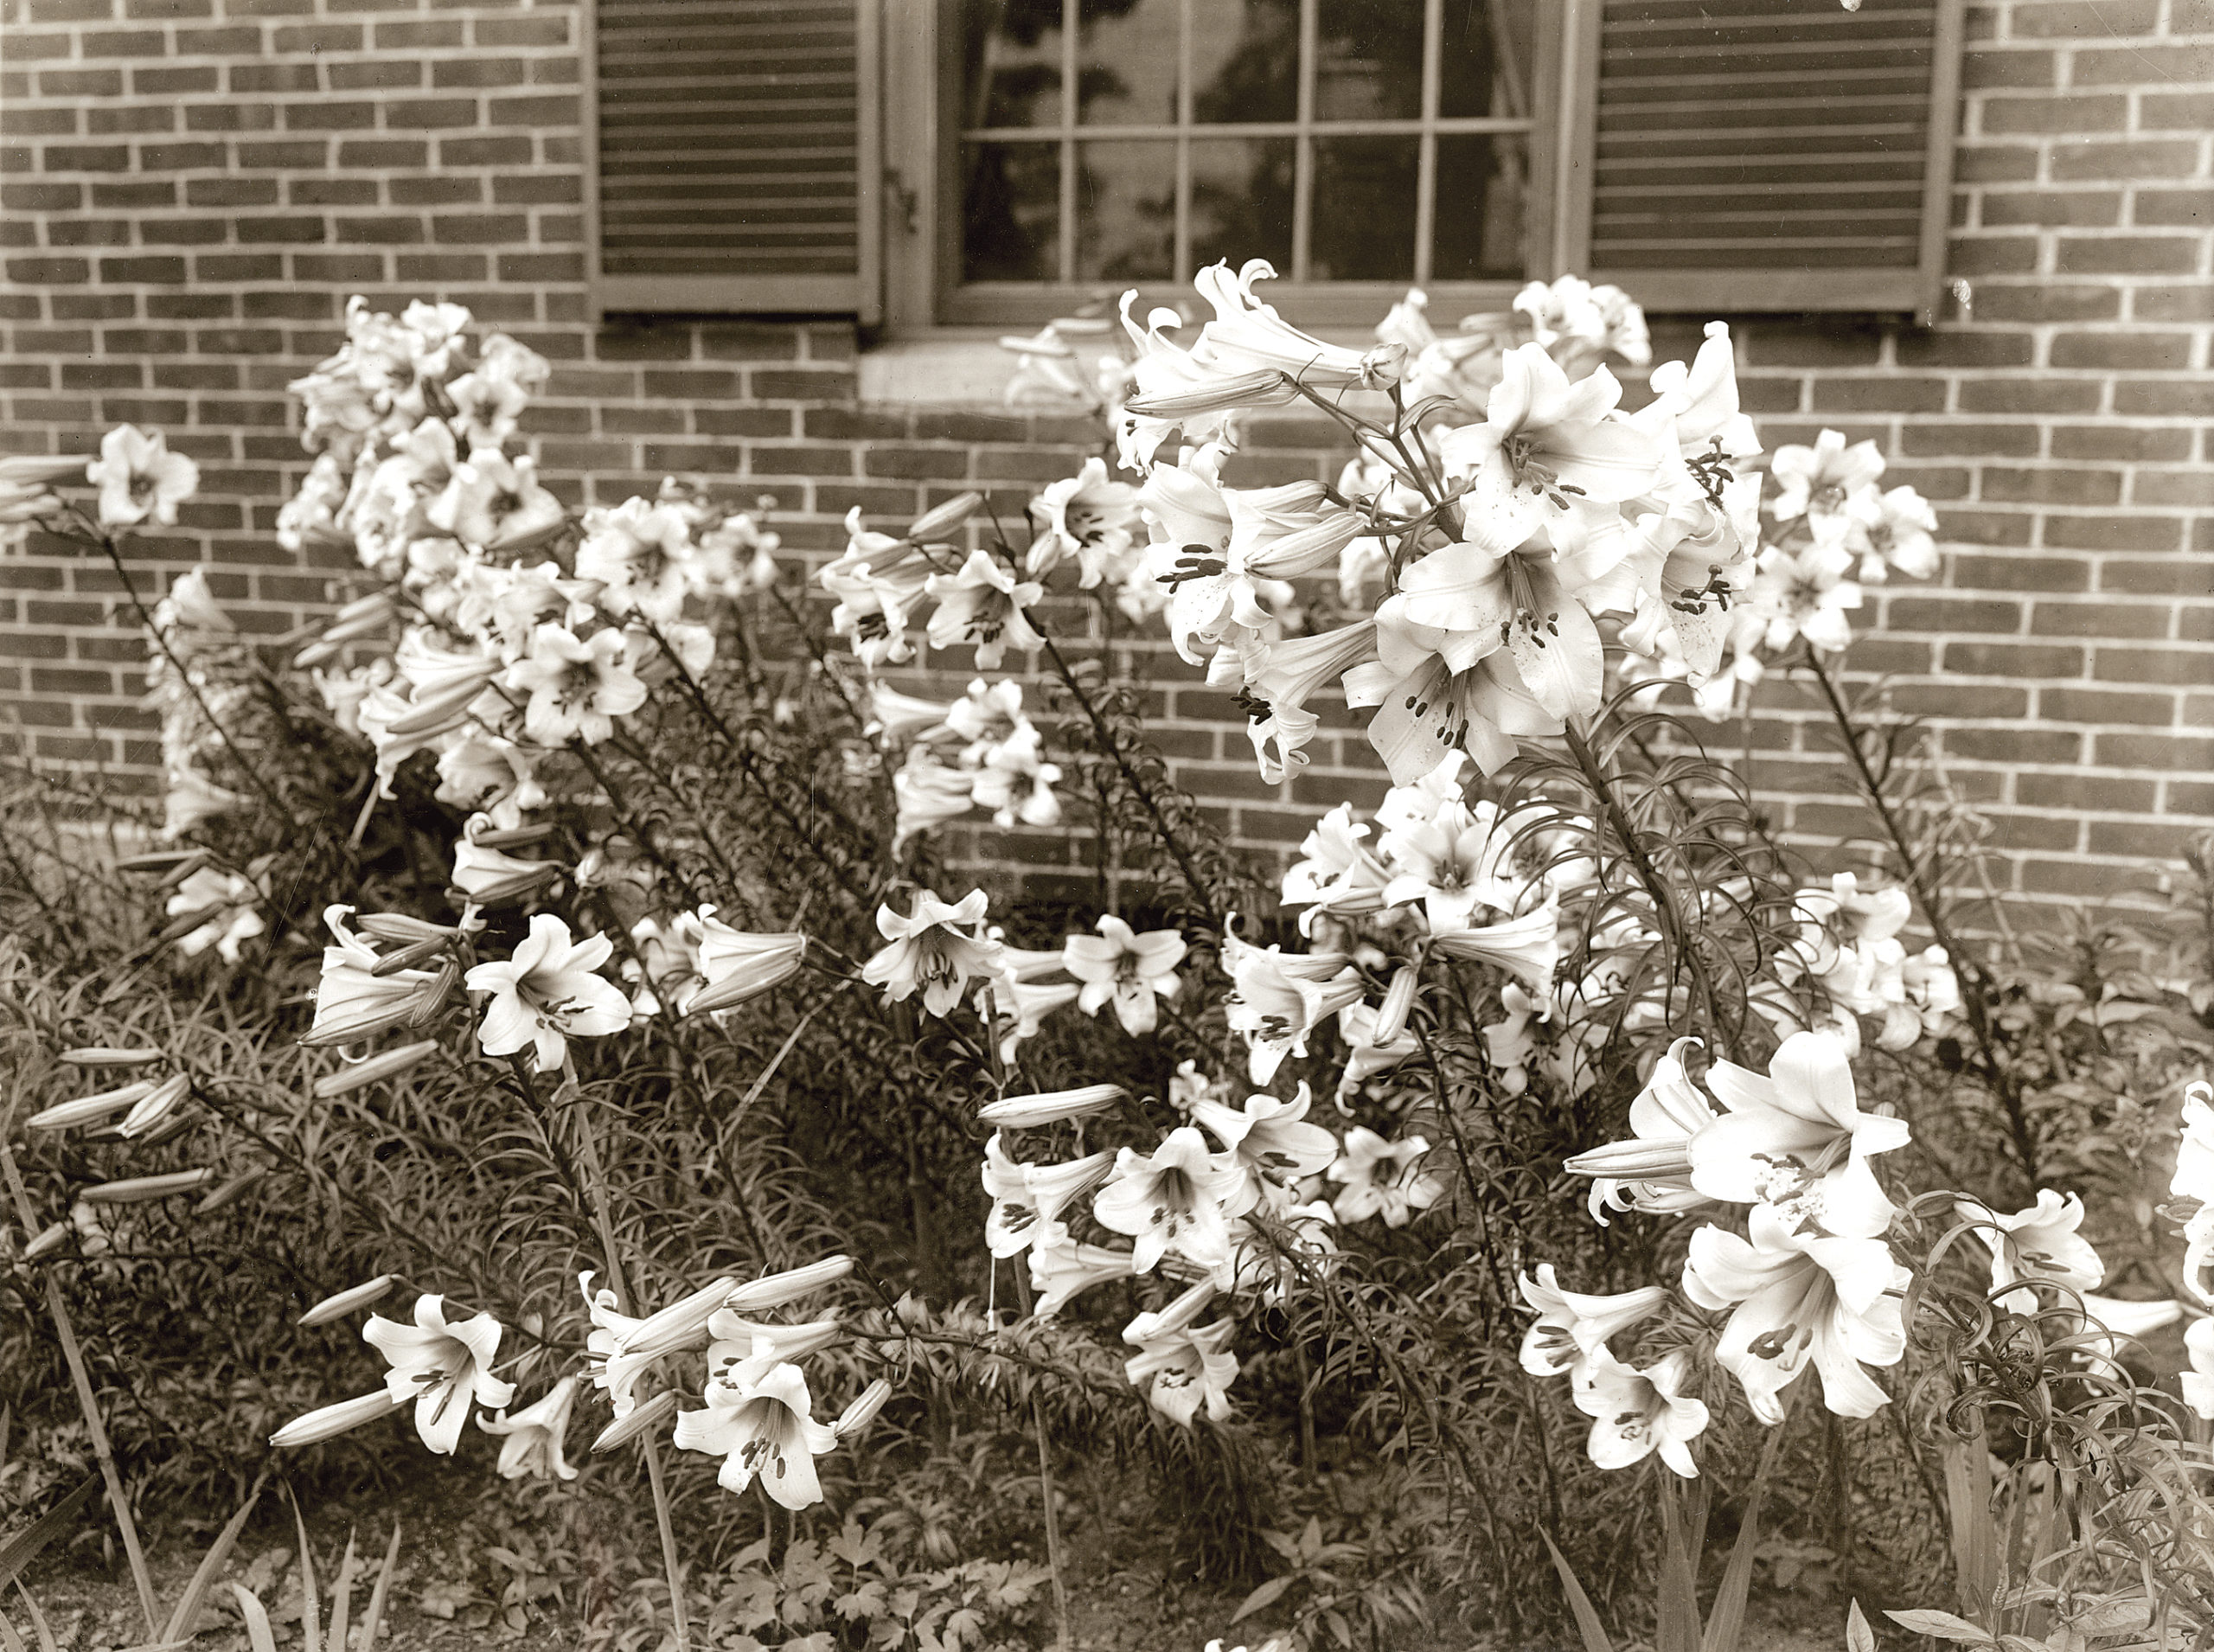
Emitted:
<point x="924" y="291"/>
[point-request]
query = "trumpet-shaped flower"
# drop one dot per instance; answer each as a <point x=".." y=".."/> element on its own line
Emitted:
<point x="1027" y="1198"/>
<point x="1120" y="967"/>
<point x="1277" y="999"/>
<point x="2199" y="1381"/>
<point x="140" y="479"/>
<point x="1061" y="1269"/>
<point x="761" y="1425"/>
<point x="1652" y="1171"/>
<point x="531" y="1439"/>
<point x="984" y="605"/>
<point x="351" y="1000"/>
<point x="1270" y="1137"/>
<point x="1805" y="593"/>
<point x="736" y="966"/>
<point x="2194" y="1179"/>
<point x="1086" y="519"/>
<point x="1573" y="1325"/>
<point x="934" y="948"/>
<point x="1797" y="1141"/>
<point x="495" y="501"/>
<point x="1817" y="481"/>
<point x="1182" y="1367"/>
<point x="1248" y="337"/>
<point x="1179" y="1197"/>
<point x="641" y="554"/>
<point x="1796" y="1297"/>
<point x="1638" y="1412"/>
<point x="2039" y="1245"/>
<point x="577" y="686"/>
<point x="444" y="1366"/>
<point x="1528" y="948"/>
<point x="1383" y="1178"/>
<point x="1899" y="530"/>
<point x="548" y="993"/>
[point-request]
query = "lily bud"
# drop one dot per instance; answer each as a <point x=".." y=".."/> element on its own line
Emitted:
<point x="792" y="1342"/>
<point x="408" y="957"/>
<point x="156" y="859"/>
<point x="47" y="1241"/>
<point x="360" y="1074"/>
<point x="1026" y="1112"/>
<point x="183" y="869"/>
<point x="432" y="1001"/>
<point x="511" y="836"/>
<point x="493" y="892"/>
<point x="681" y="1324"/>
<point x="1264" y="387"/>
<point x="940" y="520"/>
<point x="346" y="1302"/>
<point x="176" y="1124"/>
<point x="138" y="1190"/>
<point x="778" y="1289"/>
<point x="397" y="926"/>
<point x="375" y="603"/>
<point x="156" y="1106"/>
<point x="1399" y="999"/>
<point x="649" y="1415"/>
<point x="101" y="1056"/>
<point x="362" y="625"/>
<point x="1383" y="367"/>
<point x="90" y="1110"/>
<point x="314" y="654"/>
<point x="228" y="1193"/>
<point x="442" y="709"/>
<point x="739" y="966"/>
<point x="858" y="1415"/>
<point x="331" y="1421"/>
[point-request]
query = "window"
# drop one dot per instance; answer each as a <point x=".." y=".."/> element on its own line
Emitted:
<point x="993" y="163"/>
<point x="1353" y="144"/>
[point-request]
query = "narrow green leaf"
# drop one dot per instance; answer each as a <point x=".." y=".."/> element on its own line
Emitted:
<point x="258" y="1635"/>
<point x="180" y="1626"/>
<point x="1266" y="1595"/>
<point x="372" y="1620"/>
<point x="341" y="1604"/>
<point x="1728" y="1619"/>
<point x="1675" y="1627"/>
<point x="19" y="1550"/>
<point x="310" y="1607"/>
<point x="1587" y="1619"/>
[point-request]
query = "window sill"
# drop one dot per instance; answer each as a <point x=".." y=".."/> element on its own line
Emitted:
<point x="950" y="368"/>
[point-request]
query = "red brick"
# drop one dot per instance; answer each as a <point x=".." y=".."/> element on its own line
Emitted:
<point x="1941" y="614"/>
<point x="2084" y="19"/>
<point x="2047" y="301"/>
<point x="2121" y="442"/>
<point x="2174" y="576"/>
<point x="2156" y="398"/>
<point x="2101" y="619"/>
<point x="2029" y="395"/>
<point x="2176" y="64"/>
<point x="2128" y="350"/>
<point x="2182" y="668"/>
<point x="2172" y="303"/>
<point x="2047" y="485"/>
<point x="2073" y="705"/>
<point x="2114" y="533"/>
<point x="2127" y="255"/>
<point x="2075" y="209"/>
<point x="1989" y="68"/>
<point x="2069" y="112"/>
<point x="2013" y="660"/>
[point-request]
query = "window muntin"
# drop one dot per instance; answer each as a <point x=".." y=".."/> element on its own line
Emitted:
<point x="1349" y="142"/>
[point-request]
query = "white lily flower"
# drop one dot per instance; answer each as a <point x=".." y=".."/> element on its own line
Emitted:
<point x="1571" y="1326"/>
<point x="1179" y="1198"/>
<point x="2039" y="1246"/>
<point x="548" y="993"/>
<point x="736" y="966"/>
<point x="1818" y="481"/>
<point x="1062" y="1270"/>
<point x="445" y="1366"/>
<point x="1268" y="1136"/>
<point x="531" y="1442"/>
<point x="1797" y="1140"/>
<point x="1277" y="999"/>
<point x="1022" y="1008"/>
<point x="351" y="1000"/>
<point x="1086" y="519"/>
<point x="1027" y="1198"/>
<point x="1805" y="593"/>
<point x="1383" y="1178"/>
<point x="578" y="687"/>
<point x="1180" y="1369"/>
<point x="1652" y="1171"/>
<point x="935" y="949"/>
<point x="766" y="1427"/>
<point x="1798" y="1296"/>
<point x="984" y="605"/>
<point x="1638" y="1412"/>
<point x="1249" y="337"/>
<point x="139" y="478"/>
<point x="2199" y="1381"/>
<point x="640" y="552"/>
<point x="1125" y="969"/>
<point x="1339" y="875"/>
<point x="1527" y="947"/>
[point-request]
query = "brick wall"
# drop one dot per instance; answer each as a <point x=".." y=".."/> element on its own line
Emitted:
<point x="190" y="189"/>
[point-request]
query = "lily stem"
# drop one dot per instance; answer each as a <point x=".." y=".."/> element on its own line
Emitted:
<point x="65" y="1329"/>
<point x="1045" y="1488"/>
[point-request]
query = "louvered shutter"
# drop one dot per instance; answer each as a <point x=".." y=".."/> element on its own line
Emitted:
<point x="736" y="151"/>
<point x="1760" y="155"/>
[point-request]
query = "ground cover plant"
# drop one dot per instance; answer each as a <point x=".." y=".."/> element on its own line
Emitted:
<point x="559" y="1022"/>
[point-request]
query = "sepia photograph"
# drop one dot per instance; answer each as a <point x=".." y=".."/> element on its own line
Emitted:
<point x="1106" y="825"/>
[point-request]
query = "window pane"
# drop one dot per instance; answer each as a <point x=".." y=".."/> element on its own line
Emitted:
<point x="1241" y="201"/>
<point x="1481" y="178"/>
<point x="1489" y="56"/>
<point x="1011" y="212"/>
<point x="1368" y="59"/>
<point x="1011" y="62"/>
<point x="1245" y="60"/>
<point x="1126" y="62"/>
<point x="1364" y="218"/>
<point x="1125" y="212"/>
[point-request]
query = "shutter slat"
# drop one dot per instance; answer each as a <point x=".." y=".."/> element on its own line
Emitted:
<point x="1764" y="154"/>
<point x="730" y="138"/>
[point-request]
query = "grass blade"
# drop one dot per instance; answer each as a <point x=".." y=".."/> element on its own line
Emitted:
<point x="204" y="1578"/>
<point x="342" y="1602"/>
<point x="311" y="1607"/>
<point x="1727" y="1621"/>
<point x="372" y="1620"/>
<point x="1587" y="1619"/>
<point x="258" y="1635"/>
<point x="20" y="1550"/>
<point x="47" y="1640"/>
<point x="1675" y="1627"/>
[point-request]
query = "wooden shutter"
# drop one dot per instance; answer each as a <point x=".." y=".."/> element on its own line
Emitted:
<point x="1730" y="156"/>
<point x="736" y="156"/>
